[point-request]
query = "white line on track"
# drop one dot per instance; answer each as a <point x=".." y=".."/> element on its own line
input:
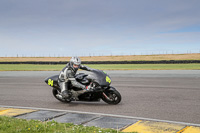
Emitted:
<point x="101" y="114"/>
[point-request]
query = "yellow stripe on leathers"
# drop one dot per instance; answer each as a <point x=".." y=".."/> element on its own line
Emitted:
<point x="192" y="129"/>
<point x="14" y="112"/>
<point x="153" y="127"/>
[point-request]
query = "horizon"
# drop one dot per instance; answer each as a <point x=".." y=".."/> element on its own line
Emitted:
<point x="98" y="55"/>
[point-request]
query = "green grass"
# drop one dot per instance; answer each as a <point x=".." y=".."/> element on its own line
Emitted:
<point x="147" y="67"/>
<point x="14" y="125"/>
<point x="29" y="67"/>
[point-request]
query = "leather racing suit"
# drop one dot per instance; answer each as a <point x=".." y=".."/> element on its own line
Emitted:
<point x="67" y="75"/>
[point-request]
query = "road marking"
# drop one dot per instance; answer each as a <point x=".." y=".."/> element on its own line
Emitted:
<point x="181" y="131"/>
<point x="141" y="126"/>
<point x="153" y="127"/>
<point x="3" y="109"/>
<point x="15" y="112"/>
<point x="191" y="129"/>
<point x="102" y="114"/>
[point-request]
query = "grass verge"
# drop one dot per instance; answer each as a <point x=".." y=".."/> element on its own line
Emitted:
<point x="14" y="125"/>
<point x="30" y="67"/>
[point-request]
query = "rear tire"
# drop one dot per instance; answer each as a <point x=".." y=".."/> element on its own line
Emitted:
<point x="113" y="95"/>
<point x="56" y="92"/>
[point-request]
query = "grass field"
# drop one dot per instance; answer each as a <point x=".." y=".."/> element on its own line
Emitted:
<point x="30" y="67"/>
<point x="14" y="125"/>
<point x="109" y="58"/>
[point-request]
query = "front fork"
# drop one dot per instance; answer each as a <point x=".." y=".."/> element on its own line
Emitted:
<point x="104" y="94"/>
<point x="107" y="89"/>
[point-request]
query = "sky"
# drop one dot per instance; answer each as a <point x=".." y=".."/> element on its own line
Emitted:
<point x="98" y="27"/>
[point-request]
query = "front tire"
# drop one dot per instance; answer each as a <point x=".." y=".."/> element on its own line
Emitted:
<point x="111" y="97"/>
<point x="56" y="93"/>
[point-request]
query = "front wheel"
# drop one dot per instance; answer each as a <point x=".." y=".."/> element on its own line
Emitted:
<point x="111" y="96"/>
<point x="57" y="95"/>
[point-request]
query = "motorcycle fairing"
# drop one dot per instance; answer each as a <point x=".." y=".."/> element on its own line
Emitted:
<point x="99" y="77"/>
<point x="52" y="81"/>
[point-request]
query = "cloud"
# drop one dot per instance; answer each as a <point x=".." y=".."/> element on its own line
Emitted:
<point x="114" y="26"/>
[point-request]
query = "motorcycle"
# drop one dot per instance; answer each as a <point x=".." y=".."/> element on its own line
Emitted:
<point x="99" y="81"/>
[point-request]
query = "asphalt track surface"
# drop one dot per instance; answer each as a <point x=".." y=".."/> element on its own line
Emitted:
<point x="165" y="95"/>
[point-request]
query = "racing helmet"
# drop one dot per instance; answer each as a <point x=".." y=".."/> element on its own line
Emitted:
<point x="75" y="61"/>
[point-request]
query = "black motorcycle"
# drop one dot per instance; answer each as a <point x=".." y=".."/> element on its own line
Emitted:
<point x="98" y="80"/>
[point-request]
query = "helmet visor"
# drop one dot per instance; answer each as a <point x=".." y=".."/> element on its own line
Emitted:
<point x="75" y="66"/>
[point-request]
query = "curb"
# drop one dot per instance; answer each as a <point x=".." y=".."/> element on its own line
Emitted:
<point x="122" y="123"/>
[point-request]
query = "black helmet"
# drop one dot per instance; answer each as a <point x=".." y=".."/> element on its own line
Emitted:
<point x="75" y="61"/>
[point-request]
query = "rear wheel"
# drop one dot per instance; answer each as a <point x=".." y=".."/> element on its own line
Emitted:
<point x="57" y="95"/>
<point x="111" y="97"/>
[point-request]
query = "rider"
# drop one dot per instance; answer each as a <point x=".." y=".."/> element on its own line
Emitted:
<point x="67" y="75"/>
